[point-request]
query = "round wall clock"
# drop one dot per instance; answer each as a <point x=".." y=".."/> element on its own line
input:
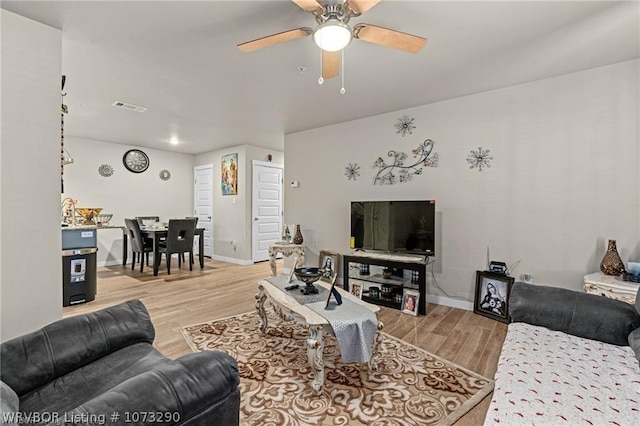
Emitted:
<point x="135" y="161"/>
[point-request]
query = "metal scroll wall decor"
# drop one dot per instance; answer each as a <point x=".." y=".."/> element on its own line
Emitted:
<point x="479" y="159"/>
<point x="398" y="170"/>
<point x="352" y="171"/>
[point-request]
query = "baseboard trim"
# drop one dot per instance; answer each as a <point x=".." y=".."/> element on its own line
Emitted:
<point x="110" y="263"/>
<point x="220" y="258"/>
<point x="232" y="260"/>
<point x="450" y="302"/>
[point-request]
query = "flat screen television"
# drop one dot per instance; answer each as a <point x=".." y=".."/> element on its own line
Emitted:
<point x="394" y="226"/>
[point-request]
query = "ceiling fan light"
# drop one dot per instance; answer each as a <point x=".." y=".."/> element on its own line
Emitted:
<point x="332" y="36"/>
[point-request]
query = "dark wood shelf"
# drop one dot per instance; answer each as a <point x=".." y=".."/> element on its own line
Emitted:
<point x="396" y="281"/>
<point x="382" y="302"/>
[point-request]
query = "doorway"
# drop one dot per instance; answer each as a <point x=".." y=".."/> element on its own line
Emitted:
<point x="203" y="204"/>
<point x="267" y="202"/>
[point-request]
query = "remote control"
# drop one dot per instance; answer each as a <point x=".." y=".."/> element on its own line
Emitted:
<point x="292" y="287"/>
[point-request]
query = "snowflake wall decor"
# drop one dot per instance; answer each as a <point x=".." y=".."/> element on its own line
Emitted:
<point x="390" y="174"/>
<point x="479" y="159"/>
<point x="405" y="125"/>
<point x="105" y="170"/>
<point x="352" y="171"/>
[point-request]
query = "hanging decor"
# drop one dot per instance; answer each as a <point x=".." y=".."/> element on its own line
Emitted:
<point x="165" y="175"/>
<point x="398" y="171"/>
<point x="105" y="170"/>
<point x="479" y="159"/>
<point x="352" y="171"/>
<point x="405" y="125"/>
<point x="229" y="178"/>
<point x="64" y="159"/>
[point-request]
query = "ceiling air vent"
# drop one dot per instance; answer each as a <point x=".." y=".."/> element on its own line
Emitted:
<point x="130" y="107"/>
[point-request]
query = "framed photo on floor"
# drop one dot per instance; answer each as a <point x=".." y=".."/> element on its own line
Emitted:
<point x="492" y="295"/>
<point x="331" y="261"/>
<point x="410" y="300"/>
<point x="356" y="289"/>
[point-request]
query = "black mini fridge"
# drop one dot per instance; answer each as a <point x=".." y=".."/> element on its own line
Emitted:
<point x="79" y="277"/>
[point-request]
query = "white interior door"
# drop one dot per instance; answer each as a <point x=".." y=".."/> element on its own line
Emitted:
<point x="203" y="204"/>
<point x="267" y="208"/>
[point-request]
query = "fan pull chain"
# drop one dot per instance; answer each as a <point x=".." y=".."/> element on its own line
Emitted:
<point x="321" y="79"/>
<point x="342" y="90"/>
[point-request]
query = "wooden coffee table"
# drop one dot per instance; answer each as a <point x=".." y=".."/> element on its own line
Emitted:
<point x="290" y="309"/>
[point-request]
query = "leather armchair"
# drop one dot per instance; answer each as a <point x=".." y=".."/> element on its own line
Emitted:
<point x="84" y="369"/>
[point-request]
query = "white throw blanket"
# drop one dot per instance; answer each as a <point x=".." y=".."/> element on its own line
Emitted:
<point x="355" y="328"/>
<point x="548" y="377"/>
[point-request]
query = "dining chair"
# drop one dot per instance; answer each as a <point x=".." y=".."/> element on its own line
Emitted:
<point x="195" y="225"/>
<point x="147" y="220"/>
<point x="139" y="244"/>
<point x="179" y="240"/>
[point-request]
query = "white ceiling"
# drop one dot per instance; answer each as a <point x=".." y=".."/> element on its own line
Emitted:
<point x="178" y="59"/>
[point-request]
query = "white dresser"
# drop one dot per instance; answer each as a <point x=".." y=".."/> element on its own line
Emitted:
<point x="610" y="286"/>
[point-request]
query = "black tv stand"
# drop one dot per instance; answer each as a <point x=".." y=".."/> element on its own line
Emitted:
<point x="398" y="262"/>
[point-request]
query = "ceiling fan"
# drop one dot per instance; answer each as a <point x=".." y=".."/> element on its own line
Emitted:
<point x="333" y="32"/>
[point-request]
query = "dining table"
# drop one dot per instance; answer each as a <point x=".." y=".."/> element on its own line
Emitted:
<point x="157" y="233"/>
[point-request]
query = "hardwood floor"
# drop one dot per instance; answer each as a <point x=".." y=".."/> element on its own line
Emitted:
<point x="223" y="289"/>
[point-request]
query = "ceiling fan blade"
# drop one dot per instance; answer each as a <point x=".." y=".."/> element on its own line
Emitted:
<point x="389" y="38"/>
<point x="330" y="64"/>
<point x="361" y="6"/>
<point x="308" y="5"/>
<point x="252" y="45"/>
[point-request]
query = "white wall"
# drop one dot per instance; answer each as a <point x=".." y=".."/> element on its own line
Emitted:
<point x="30" y="258"/>
<point x="126" y="194"/>
<point x="232" y="215"/>
<point x="564" y="179"/>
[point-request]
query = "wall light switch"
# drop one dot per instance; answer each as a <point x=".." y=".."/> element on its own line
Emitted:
<point x="295" y="184"/>
<point x="234" y="200"/>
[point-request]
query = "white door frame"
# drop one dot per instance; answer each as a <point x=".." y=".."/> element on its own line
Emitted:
<point x="208" y="232"/>
<point x="254" y="197"/>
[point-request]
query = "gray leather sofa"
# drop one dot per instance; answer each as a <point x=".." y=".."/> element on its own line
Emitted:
<point x="576" y="313"/>
<point x="101" y="368"/>
<point x="568" y="358"/>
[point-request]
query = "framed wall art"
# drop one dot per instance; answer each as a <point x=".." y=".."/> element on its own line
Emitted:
<point x="331" y="261"/>
<point x="229" y="175"/>
<point x="492" y="295"/>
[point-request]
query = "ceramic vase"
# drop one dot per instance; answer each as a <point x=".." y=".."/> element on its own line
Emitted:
<point x="611" y="263"/>
<point x="297" y="239"/>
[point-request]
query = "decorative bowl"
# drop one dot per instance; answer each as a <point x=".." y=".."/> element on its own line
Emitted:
<point x="308" y="276"/>
<point x="88" y="214"/>
<point x="103" y="219"/>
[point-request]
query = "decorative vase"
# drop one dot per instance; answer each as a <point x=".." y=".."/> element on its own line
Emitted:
<point x="611" y="263"/>
<point x="297" y="239"/>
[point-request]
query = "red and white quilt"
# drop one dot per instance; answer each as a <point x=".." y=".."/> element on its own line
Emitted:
<point x="548" y="377"/>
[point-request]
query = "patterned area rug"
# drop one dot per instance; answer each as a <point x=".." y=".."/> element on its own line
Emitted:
<point x="410" y="386"/>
